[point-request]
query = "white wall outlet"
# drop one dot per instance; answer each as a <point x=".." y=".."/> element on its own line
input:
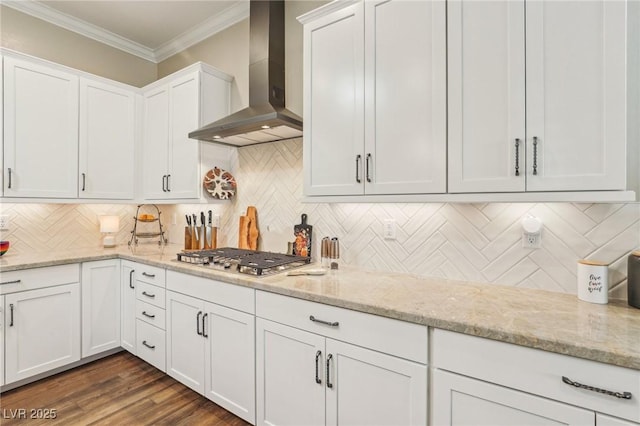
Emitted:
<point x="4" y="222"/>
<point x="174" y="218"/>
<point x="389" y="231"/>
<point x="532" y="232"/>
<point x="216" y="221"/>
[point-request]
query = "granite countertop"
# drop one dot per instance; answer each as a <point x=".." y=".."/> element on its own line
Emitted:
<point x="554" y="322"/>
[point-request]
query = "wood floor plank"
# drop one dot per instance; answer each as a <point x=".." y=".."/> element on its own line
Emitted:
<point x="117" y="390"/>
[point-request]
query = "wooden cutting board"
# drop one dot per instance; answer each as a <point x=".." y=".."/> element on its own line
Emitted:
<point x="248" y="232"/>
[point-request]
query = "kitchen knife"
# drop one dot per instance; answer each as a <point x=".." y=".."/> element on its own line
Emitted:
<point x="195" y="237"/>
<point x="208" y="243"/>
<point x="302" y="232"/>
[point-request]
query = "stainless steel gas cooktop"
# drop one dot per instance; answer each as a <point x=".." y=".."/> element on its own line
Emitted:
<point x="252" y="262"/>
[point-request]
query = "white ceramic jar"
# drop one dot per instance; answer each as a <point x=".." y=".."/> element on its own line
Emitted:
<point x="593" y="281"/>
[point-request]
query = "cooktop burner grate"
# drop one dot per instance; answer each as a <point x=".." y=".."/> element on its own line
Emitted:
<point x="244" y="261"/>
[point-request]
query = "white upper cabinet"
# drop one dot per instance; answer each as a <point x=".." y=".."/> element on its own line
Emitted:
<point x="173" y="107"/>
<point x="486" y="94"/>
<point x="576" y="95"/>
<point x="573" y="96"/>
<point x="405" y="97"/>
<point x="107" y="140"/>
<point x="40" y="131"/>
<point x="375" y="111"/>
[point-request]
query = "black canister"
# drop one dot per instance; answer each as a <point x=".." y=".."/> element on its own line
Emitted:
<point x="633" y="279"/>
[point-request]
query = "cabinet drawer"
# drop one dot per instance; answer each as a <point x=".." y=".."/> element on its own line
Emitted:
<point x="151" y="294"/>
<point x="150" y="344"/>
<point x="150" y="313"/>
<point x="151" y="274"/>
<point x="399" y="338"/>
<point x="539" y="372"/>
<point x="31" y="279"/>
<point x="229" y="295"/>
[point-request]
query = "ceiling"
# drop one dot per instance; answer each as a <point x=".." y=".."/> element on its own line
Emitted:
<point x="151" y="29"/>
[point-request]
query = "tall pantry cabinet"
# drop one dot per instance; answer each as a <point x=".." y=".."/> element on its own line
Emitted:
<point x="537" y="95"/>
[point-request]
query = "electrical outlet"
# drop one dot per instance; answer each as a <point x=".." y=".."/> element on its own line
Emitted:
<point x="4" y="222"/>
<point x="216" y="221"/>
<point x="174" y="218"/>
<point x="389" y="231"/>
<point x="532" y="241"/>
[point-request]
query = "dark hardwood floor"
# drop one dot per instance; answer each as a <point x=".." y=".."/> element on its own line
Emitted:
<point x="117" y="390"/>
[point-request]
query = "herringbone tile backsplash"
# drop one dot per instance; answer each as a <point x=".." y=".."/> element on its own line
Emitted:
<point x="475" y="242"/>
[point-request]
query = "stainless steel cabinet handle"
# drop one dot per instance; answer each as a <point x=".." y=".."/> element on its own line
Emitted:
<point x="144" y="293"/>
<point x="9" y="184"/>
<point x="84" y="180"/>
<point x="368" y="175"/>
<point x="149" y="275"/>
<point x="329" y="384"/>
<point x="535" y="155"/>
<point x="318" y="380"/>
<point x="204" y="322"/>
<point x="358" y="159"/>
<point x="11" y="282"/>
<point x="329" y="323"/>
<point x="164" y="183"/>
<point x="131" y="278"/>
<point x="517" y="157"/>
<point x="144" y="342"/>
<point x="148" y="315"/>
<point x="168" y="182"/>
<point x="11" y="312"/>
<point x="198" y="323"/>
<point x="621" y="395"/>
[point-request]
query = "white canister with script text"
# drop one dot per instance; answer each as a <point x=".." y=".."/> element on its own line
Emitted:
<point x="593" y="281"/>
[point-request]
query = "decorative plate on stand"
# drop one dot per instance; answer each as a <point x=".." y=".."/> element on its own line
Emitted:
<point x="220" y="184"/>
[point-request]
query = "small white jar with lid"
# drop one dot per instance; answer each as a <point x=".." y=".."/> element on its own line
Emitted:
<point x="593" y="281"/>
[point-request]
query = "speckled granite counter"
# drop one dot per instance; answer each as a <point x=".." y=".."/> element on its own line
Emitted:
<point x="545" y="320"/>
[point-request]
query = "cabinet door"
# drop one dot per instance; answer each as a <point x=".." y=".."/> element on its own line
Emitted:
<point x="459" y="400"/>
<point x="42" y="330"/>
<point x="486" y="89"/>
<point x="289" y="376"/>
<point x="405" y="97"/>
<point x="185" y="341"/>
<point x="128" y="307"/>
<point x="333" y="153"/>
<point x="576" y="113"/>
<point x="603" y="420"/>
<point x="107" y="136"/>
<point x="230" y="360"/>
<point x="155" y="143"/>
<point x="100" y="306"/>
<point x="2" y="340"/>
<point x="184" y="165"/>
<point x="40" y="131"/>
<point x="369" y="388"/>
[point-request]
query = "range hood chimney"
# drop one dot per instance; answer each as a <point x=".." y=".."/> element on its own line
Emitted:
<point x="266" y="119"/>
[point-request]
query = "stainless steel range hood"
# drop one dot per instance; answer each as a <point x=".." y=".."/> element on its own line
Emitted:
<point x="266" y="119"/>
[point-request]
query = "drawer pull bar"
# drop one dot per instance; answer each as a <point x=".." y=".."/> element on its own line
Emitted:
<point x="318" y="380"/>
<point x="131" y="278"/>
<point x="144" y="342"/>
<point x="148" y="315"/>
<point x="621" y="395"/>
<point x="148" y="294"/>
<point x="11" y="282"/>
<point x="149" y="275"/>
<point x="329" y="384"/>
<point x="198" y="323"/>
<point x="11" y="310"/>
<point x="204" y="321"/>
<point x="330" y="324"/>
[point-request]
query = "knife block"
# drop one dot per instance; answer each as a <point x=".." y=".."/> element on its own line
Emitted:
<point x="187" y="238"/>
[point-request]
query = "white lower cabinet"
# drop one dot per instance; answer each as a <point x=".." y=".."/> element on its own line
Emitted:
<point x="210" y="347"/>
<point x="128" y="306"/>
<point x="42" y="330"/>
<point x="149" y="308"/>
<point x="100" y="306"/>
<point x="459" y="400"/>
<point x="1" y="340"/>
<point x="304" y="376"/>
<point x="479" y="381"/>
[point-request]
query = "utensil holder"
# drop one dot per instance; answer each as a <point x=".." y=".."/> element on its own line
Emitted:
<point x="187" y="238"/>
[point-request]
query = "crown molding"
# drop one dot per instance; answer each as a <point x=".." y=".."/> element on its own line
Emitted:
<point x="228" y="17"/>
<point x="215" y="24"/>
